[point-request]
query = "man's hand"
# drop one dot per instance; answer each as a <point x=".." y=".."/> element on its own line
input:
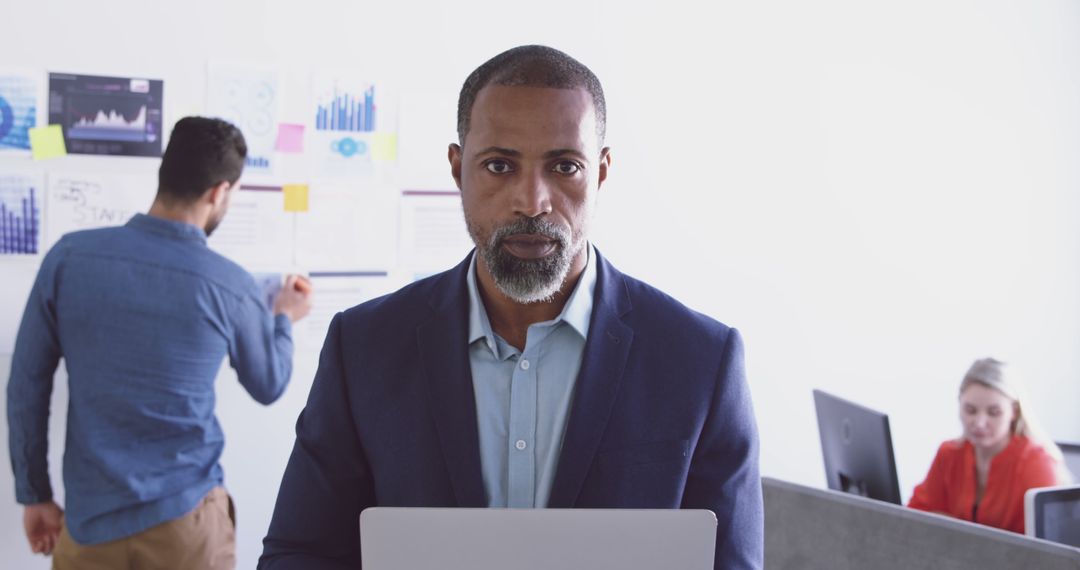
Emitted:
<point x="43" y="522"/>
<point x="294" y="300"/>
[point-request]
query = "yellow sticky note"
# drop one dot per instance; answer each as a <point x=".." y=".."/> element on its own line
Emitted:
<point x="384" y="146"/>
<point x="296" y="197"/>
<point x="47" y="142"/>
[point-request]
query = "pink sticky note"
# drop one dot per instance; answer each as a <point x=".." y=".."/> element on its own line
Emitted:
<point x="290" y="138"/>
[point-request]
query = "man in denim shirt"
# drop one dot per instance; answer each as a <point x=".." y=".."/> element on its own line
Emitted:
<point x="143" y="315"/>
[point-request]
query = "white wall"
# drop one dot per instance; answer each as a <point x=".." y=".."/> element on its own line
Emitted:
<point x="875" y="194"/>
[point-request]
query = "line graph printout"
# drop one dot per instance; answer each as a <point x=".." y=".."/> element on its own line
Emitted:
<point x="20" y="214"/>
<point x="18" y="110"/>
<point x="107" y="115"/>
<point x="247" y="96"/>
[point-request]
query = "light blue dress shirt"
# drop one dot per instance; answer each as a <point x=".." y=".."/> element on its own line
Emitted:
<point x="523" y="397"/>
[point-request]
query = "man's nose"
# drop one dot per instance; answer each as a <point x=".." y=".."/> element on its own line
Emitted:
<point x="532" y="196"/>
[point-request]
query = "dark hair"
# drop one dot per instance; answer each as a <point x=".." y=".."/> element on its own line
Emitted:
<point x="531" y="66"/>
<point x="202" y="153"/>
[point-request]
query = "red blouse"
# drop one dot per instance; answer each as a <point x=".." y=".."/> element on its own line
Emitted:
<point x="950" y="485"/>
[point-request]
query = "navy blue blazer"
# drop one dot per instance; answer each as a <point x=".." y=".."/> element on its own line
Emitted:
<point x="661" y="418"/>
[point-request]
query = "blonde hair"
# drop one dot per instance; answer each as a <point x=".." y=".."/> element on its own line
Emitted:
<point x="991" y="373"/>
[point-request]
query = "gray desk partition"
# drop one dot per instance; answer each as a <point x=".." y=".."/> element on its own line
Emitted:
<point x="807" y="529"/>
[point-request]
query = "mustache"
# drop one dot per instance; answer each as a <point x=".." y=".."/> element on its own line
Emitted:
<point x="537" y="226"/>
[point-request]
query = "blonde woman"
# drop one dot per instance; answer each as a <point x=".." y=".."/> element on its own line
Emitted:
<point x="982" y="476"/>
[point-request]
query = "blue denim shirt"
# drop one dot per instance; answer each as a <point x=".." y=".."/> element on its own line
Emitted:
<point x="143" y="315"/>
<point x="523" y="397"/>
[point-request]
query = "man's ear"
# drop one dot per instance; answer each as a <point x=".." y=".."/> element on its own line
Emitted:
<point x="217" y="193"/>
<point x="605" y="164"/>
<point x="453" y="154"/>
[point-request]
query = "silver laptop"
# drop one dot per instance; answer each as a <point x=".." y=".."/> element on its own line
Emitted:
<point x="536" y="539"/>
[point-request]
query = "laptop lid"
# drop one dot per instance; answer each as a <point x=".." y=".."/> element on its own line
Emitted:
<point x="394" y="538"/>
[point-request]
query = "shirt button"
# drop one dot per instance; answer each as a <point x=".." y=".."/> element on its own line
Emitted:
<point x="524" y="364"/>
<point x="520" y="444"/>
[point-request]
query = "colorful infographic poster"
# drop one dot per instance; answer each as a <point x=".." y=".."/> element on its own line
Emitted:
<point x="247" y="96"/>
<point x="18" y="110"/>
<point x="107" y="115"/>
<point x="20" y="215"/>
<point x="352" y="118"/>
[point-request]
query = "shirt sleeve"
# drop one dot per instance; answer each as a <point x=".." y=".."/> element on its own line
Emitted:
<point x="1041" y="470"/>
<point x="930" y="495"/>
<point x="261" y="350"/>
<point x="29" y="389"/>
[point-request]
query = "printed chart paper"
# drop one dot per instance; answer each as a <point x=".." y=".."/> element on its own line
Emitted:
<point x="256" y="232"/>
<point x="107" y="115"/>
<point x="21" y="198"/>
<point x="247" y="96"/>
<point x="18" y="110"/>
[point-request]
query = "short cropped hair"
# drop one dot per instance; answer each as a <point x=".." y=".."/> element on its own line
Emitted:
<point x="531" y="66"/>
<point x="201" y="154"/>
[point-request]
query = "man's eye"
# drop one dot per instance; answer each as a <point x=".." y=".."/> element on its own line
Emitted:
<point x="567" y="167"/>
<point x="498" y="166"/>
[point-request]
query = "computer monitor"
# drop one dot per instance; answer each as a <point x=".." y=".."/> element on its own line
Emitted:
<point x="857" y="447"/>
<point x="1071" y="452"/>
<point x="1053" y="513"/>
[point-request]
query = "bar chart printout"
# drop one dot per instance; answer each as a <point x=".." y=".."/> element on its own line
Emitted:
<point x="20" y="216"/>
<point x="342" y="109"/>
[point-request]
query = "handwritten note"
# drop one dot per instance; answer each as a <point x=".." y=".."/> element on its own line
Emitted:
<point x="78" y="202"/>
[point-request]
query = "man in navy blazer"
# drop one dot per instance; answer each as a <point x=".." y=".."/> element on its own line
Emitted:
<point x="532" y="374"/>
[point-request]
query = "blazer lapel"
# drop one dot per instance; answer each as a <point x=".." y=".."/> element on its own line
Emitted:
<point x="597" y="387"/>
<point x="445" y="359"/>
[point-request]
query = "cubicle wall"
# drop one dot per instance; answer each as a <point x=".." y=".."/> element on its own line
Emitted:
<point x="809" y="529"/>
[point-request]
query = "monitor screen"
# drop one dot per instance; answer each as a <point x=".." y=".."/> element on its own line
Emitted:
<point x="1053" y="513"/>
<point x="1071" y="451"/>
<point x="857" y="447"/>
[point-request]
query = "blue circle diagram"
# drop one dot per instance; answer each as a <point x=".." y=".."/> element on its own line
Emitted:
<point x="348" y="147"/>
<point x="7" y="118"/>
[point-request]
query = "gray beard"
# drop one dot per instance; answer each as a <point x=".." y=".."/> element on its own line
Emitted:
<point x="528" y="281"/>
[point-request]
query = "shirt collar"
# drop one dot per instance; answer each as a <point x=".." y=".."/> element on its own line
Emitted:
<point x="577" y="312"/>
<point x="167" y="228"/>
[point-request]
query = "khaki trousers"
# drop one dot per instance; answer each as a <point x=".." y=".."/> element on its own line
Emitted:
<point x="203" y="538"/>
